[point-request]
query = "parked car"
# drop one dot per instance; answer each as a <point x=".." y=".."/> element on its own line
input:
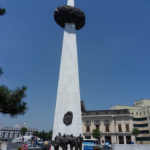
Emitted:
<point x="43" y="146"/>
<point x="90" y="144"/>
<point x="34" y="147"/>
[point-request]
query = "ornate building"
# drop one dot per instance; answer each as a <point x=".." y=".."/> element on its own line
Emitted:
<point x="141" y="118"/>
<point x="115" y="126"/>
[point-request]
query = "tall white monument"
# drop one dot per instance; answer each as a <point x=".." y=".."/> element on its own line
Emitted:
<point x="67" y="118"/>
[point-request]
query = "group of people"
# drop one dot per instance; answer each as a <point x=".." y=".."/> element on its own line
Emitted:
<point x="64" y="141"/>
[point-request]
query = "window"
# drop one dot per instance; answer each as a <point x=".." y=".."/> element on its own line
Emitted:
<point x="8" y="134"/>
<point x="121" y="140"/>
<point x="143" y="138"/>
<point x="128" y="139"/>
<point x="144" y="131"/>
<point x="119" y="128"/>
<point x="13" y="135"/>
<point x="3" y="134"/>
<point x="140" y="125"/>
<point x="108" y="139"/>
<point x="139" y="119"/>
<point x="97" y="127"/>
<point x="107" y="128"/>
<point x="144" y="112"/>
<point x="140" y="113"/>
<point x="87" y="128"/>
<point x="137" y="113"/>
<point x="127" y="128"/>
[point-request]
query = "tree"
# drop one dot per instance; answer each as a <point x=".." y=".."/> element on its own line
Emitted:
<point x="43" y="135"/>
<point x="135" y="132"/>
<point x="11" y="101"/>
<point x="1" y="71"/>
<point x="23" y="130"/>
<point x="2" y="11"/>
<point x="50" y="134"/>
<point x="96" y="134"/>
<point x="35" y="133"/>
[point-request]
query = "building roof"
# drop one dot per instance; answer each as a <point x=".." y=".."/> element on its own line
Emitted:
<point x="106" y="112"/>
<point x="144" y="103"/>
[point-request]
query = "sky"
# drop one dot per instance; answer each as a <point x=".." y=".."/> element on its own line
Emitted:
<point x="113" y="53"/>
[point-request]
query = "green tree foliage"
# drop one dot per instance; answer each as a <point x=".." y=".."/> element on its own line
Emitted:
<point x="135" y="132"/>
<point x="2" y="11"/>
<point x="43" y="135"/>
<point x="1" y="71"/>
<point x="50" y="133"/>
<point x="35" y="133"/>
<point x="23" y="130"/>
<point x="96" y="134"/>
<point x="11" y="100"/>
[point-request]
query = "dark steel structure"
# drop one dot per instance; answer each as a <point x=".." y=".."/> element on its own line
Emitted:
<point x="69" y="14"/>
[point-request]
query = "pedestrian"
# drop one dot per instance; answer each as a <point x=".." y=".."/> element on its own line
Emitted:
<point x="25" y="146"/>
<point x="106" y="145"/>
<point x="50" y="147"/>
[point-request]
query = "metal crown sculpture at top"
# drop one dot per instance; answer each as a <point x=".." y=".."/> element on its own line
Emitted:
<point x="69" y="14"/>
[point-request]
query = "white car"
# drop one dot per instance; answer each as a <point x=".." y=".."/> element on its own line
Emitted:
<point x="32" y="147"/>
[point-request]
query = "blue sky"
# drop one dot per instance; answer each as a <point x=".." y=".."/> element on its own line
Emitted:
<point x="113" y="52"/>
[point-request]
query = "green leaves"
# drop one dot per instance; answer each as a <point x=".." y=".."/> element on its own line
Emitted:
<point x="1" y="71"/>
<point x="23" y="130"/>
<point x="96" y="134"/>
<point x="11" y="100"/>
<point x="2" y="11"/>
<point x="135" y="131"/>
<point x="43" y="135"/>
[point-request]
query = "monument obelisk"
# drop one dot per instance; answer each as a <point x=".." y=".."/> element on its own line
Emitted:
<point x="67" y="118"/>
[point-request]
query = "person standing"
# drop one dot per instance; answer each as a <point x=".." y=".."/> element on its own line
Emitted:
<point x="25" y="146"/>
<point x="106" y="146"/>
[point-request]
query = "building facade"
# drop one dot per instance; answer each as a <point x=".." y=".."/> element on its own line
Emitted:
<point x="141" y="118"/>
<point x="14" y="132"/>
<point x="115" y="126"/>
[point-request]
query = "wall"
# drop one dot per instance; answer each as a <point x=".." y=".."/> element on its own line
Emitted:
<point x="131" y="147"/>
